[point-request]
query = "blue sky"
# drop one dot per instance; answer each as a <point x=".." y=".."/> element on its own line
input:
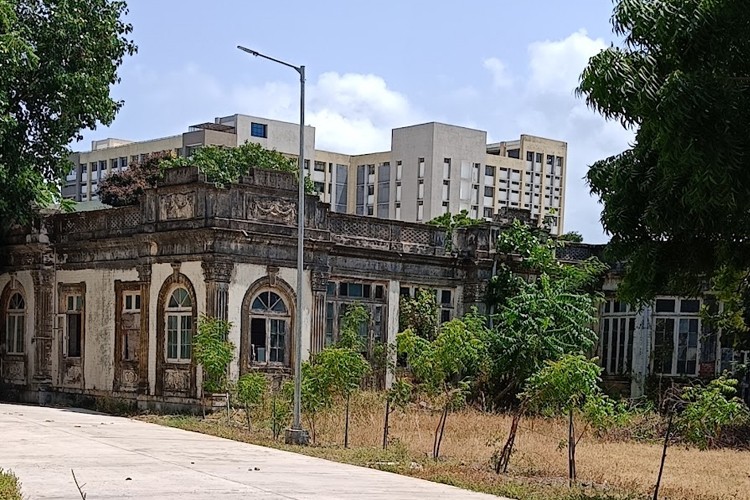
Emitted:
<point x="508" y="67"/>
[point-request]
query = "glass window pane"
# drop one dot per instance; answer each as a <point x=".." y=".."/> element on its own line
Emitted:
<point x="185" y="341"/>
<point x="605" y="344"/>
<point x="20" y="320"/>
<point x="172" y="344"/>
<point x="690" y="306"/>
<point x="186" y="324"/>
<point x="277" y="304"/>
<point x="664" y="305"/>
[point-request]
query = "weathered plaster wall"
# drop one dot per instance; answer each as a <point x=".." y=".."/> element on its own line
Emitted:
<point x="99" y="323"/>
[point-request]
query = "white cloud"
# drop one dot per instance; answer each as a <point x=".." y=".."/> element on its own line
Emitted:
<point x="352" y="113"/>
<point x="548" y="107"/>
<point x="500" y="77"/>
<point x="556" y="65"/>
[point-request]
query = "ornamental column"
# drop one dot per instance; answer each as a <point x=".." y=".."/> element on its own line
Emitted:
<point x="318" y="323"/>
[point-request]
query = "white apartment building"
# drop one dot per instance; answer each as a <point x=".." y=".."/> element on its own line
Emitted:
<point x="434" y="168"/>
<point x="431" y="168"/>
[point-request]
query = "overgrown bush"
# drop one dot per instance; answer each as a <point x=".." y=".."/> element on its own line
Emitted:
<point x="709" y="411"/>
<point x="421" y="314"/>
<point x="251" y="389"/>
<point x="213" y="351"/>
<point x="221" y="166"/>
<point x="124" y="188"/>
<point x="10" y="487"/>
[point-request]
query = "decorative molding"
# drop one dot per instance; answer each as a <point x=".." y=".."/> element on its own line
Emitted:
<point x="176" y="269"/>
<point x="273" y="273"/>
<point x="144" y="272"/>
<point x="176" y="206"/>
<point x="320" y="281"/>
<point x="273" y="210"/>
<point x="219" y="270"/>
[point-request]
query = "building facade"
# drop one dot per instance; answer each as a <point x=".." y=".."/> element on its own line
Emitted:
<point x="105" y="302"/>
<point x="431" y="169"/>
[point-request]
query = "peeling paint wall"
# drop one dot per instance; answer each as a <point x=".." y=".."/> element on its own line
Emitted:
<point x="99" y="326"/>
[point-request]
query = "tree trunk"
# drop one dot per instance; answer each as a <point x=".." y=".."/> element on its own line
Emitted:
<point x="228" y="407"/>
<point x="663" y="457"/>
<point x="439" y="432"/>
<point x="274" y="422"/>
<point x="311" y="423"/>
<point x="504" y="458"/>
<point x="385" y="425"/>
<point x="346" y="424"/>
<point x="571" y="449"/>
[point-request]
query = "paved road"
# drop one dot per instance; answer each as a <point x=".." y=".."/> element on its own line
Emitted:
<point x="120" y="458"/>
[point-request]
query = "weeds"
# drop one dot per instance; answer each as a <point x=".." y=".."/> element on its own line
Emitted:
<point x="610" y="467"/>
<point x="10" y="487"/>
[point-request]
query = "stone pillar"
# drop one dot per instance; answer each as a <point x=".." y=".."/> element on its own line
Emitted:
<point x="473" y="296"/>
<point x="318" y="326"/>
<point x="394" y="305"/>
<point x="44" y="321"/>
<point x="217" y="274"/>
<point x="641" y="352"/>
<point x="144" y="276"/>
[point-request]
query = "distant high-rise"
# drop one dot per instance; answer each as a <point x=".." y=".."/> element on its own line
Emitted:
<point x="431" y="169"/>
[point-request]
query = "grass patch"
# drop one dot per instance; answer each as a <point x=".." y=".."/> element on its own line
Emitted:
<point x="399" y="459"/>
<point x="10" y="487"/>
<point x="609" y="467"/>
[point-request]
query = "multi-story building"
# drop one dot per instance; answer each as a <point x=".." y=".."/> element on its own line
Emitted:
<point x="434" y="168"/>
<point x="114" y="155"/>
<point x="431" y="169"/>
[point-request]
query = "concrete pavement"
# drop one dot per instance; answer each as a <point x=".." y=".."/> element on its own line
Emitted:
<point x="121" y="458"/>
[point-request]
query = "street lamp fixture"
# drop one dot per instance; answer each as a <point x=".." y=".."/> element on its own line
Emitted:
<point x="296" y="435"/>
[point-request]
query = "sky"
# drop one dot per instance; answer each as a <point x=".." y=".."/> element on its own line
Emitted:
<point x="505" y="66"/>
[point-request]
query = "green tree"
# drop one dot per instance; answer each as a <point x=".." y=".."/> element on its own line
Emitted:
<point x="316" y="395"/>
<point x="58" y="61"/>
<point x="676" y="202"/>
<point x="709" y="410"/>
<point x="450" y="222"/>
<point x="565" y="387"/>
<point x="336" y="370"/>
<point x="223" y="166"/>
<point x="251" y="389"/>
<point x="213" y="351"/>
<point x="571" y="236"/>
<point x="545" y="309"/>
<point x="420" y="314"/>
<point x="343" y="364"/>
<point x="446" y="365"/>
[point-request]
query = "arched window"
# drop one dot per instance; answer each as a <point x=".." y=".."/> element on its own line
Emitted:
<point x="269" y="328"/>
<point x="179" y="321"/>
<point x="15" y="324"/>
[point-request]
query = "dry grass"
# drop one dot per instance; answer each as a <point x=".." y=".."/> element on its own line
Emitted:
<point x="608" y="470"/>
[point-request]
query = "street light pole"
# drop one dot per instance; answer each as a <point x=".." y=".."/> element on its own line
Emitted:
<point x="296" y="435"/>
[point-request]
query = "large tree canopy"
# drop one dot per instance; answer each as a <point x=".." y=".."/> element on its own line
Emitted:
<point x="58" y="60"/>
<point x="677" y="203"/>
